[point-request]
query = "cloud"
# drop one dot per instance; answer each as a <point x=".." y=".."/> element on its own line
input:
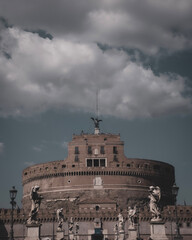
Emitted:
<point x="2" y="146"/>
<point x="43" y="74"/>
<point x="146" y="25"/>
<point x="37" y="149"/>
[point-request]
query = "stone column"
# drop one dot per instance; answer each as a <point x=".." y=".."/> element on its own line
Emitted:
<point x="158" y="230"/>
<point x="33" y="232"/>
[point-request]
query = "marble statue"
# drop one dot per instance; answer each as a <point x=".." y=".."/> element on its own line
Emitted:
<point x="120" y="222"/>
<point x="132" y="215"/>
<point x="60" y="219"/>
<point x="77" y="228"/>
<point x="115" y="229"/>
<point x="154" y="196"/>
<point x="71" y="226"/>
<point x="35" y="205"/>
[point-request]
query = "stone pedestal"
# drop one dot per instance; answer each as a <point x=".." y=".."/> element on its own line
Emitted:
<point x="33" y="232"/>
<point x="132" y="233"/>
<point x="121" y="235"/>
<point x="60" y="234"/>
<point x="71" y="236"/>
<point x="158" y="231"/>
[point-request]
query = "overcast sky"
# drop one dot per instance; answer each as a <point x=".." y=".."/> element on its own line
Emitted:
<point x="55" y="55"/>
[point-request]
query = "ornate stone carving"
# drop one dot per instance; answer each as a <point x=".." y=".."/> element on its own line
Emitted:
<point x="132" y="215"/>
<point x="35" y="205"/>
<point x="155" y="196"/>
<point x="60" y="219"/>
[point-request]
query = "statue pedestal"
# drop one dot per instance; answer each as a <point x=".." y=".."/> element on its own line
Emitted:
<point x="132" y="233"/>
<point x="121" y="235"/>
<point x="71" y="236"/>
<point x="33" y="232"/>
<point x="158" y="230"/>
<point x="60" y="234"/>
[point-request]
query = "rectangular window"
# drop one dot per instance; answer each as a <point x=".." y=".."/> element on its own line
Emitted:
<point x="102" y="162"/>
<point x="76" y="158"/>
<point x="96" y="162"/>
<point x="102" y="150"/>
<point x="115" y="158"/>
<point x="89" y="162"/>
<point x="89" y="150"/>
<point x="76" y="150"/>
<point x="115" y="150"/>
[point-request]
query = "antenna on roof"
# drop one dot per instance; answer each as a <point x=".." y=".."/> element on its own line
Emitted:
<point x="97" y="120"/>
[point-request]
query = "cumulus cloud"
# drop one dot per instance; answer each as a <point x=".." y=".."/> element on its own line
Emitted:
<point x="43" y="74"/>
<point x="146" y="25"/>
<point x="2" y="146"/>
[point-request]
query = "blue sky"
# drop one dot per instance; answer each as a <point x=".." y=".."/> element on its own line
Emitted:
<point x="55" y="55"/>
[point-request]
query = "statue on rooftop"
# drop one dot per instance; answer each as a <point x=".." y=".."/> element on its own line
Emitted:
<point x="35" y="205"/>
<point x="96" y="122"/>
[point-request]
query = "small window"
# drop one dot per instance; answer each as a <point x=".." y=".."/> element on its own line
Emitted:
<point x="102" y="162"/>
<point x="89" y="150"/>
<point x="102" y="150"/>
<point x="76" y="158"/>
<point x="89" y="163"/>
<point x="115" y="150"/>
<point x="25" y="173"/>
<point x="63" y="166"/>
<point x="55" y="168"/>
<point x="73" y="165"/>
<point x="128" y="165"/>
<point x="76" y="150"/>
<point x="117" y="165"/>
<point x="188" y="224"/>
<point x="97" y="208"/>
<point x="96" y="162"/>
<point x="115" y="158"/>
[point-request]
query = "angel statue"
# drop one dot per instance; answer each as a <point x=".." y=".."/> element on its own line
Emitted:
<point x="132" y="215"/>
<point x="60" y="218"/>
<point x="154" y="196"/>
<point x="96" y="122"/>
<point x="35" y="205"/>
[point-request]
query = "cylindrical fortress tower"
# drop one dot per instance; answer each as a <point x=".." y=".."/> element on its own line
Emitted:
<point x="96" y="173"/>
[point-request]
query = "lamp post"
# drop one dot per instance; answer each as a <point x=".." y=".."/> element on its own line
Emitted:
<point x="175" y="190"/>
<point x="13" y="194"/>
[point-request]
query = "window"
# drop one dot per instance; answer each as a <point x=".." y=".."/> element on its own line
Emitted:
<point x="73" y="165"/>
<point x="89" y="150"/>
<point x="102" y="150"/>
<point x="96" y="162"/>
<point x="76" y="158"/>
<point x="115" y="158"/>
<point x="89" y="162"/>
<point x="102" y="162"/>
<point x="76" y="150"/>
<point x="63" y="166"/>
<point x="128" y="165"/>
<point x="115" y="150"/>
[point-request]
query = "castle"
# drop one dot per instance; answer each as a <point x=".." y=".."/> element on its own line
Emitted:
<point x="93" y="185"/>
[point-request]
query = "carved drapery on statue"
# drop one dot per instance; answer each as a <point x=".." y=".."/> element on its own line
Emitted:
<point x="155" y="196"/>
<point x="120" y="222"/>
<point x="35" y="205"/>
<point x="132" y="215"/>
<point x="60" y="219"/>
